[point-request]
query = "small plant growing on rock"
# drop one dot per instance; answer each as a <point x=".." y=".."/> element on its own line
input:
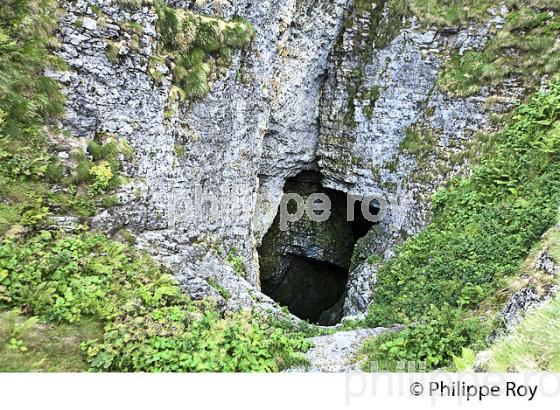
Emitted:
<point x="102" y="175"/>
<point x="237" y="262"/>
<point x="197" y="48"/>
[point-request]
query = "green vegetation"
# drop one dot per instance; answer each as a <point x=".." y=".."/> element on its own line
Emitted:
<point x="526" y="47"/>
<point x="378" y="32"/>
<point x="149" y="324"/>
<point x="221" y="290"/>
<point x="371" y="97"/>
<point x="27" y="97"/>
<point x="428" y="343"/>
<point x="112" y="51"/>
<point x="29" y="101"/>
<point x="200" y="47"/>
<point x="483" y="227"/>
<point x="534" y="345"/>
<point x="180" y="150"/>
<point x="81" y="300"/>
<point x="237" y="262"/>
<point x="454" y="13"/>
<point x="131" y="4"/>
<point x="27" y="344"/>
<point x="418" y="142"/>
<point x="445" y="13"/>
<point x="381" y="30"/>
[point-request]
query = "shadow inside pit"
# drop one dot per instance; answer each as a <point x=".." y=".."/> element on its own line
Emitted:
<point x="305" y="268"/>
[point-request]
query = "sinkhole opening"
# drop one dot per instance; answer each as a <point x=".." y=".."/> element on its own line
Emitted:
<point x="304" y="263"/>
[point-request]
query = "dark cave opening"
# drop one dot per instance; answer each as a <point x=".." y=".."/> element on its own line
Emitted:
<point x="304" y="266"/>
<point x="309" y="287"/>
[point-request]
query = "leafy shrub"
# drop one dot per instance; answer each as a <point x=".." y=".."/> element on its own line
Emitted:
<point x="466" y="361"/>
<point x="431" y="342"/>
<point x="64" y="278"/>
<point x="483" y="227"/>
<point x="171" y="339"/>
<point x="102" y="175"/>
<point x="150" y="325"/>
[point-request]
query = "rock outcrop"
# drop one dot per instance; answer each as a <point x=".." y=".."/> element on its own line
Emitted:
<point x="340" y="352"/>
<point x="311" y="93"/>
<point x="538" y="286"/>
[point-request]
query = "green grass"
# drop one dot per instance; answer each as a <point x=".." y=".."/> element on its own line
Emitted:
<point x="525" y="48"/>
<point x="418" y="142"/>
<point x="28" y="345"/>
<point x="444" y="13"/>
<point x="201" y="47"/>
<point x="534" y="344"/>
<point x="27" y="97"/>
<point x="112" y="51"/>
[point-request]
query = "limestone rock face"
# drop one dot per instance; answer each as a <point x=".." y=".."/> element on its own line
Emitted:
<point x="376" y="105"/>
<point x="183" y="207"/>
<point x="207" y="176"/>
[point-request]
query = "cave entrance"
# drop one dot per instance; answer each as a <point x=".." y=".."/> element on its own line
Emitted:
<point x="305" y="267"/>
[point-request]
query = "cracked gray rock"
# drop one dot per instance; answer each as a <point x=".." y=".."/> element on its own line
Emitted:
<point x="245" y="138"/>
<point x="339" y="352"/>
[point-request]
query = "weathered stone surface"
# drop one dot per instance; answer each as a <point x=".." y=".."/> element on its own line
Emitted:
<point x="222" y="135"/>
<point x="66" y="223"/>
<point x="546" y="264"/>
<point x="370" y="101"/>
<point x="189" y="207"/>
<point x="338" y="352"/>
<point x="361" y="283"/>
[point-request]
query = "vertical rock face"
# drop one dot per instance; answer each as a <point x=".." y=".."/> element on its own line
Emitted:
<point x="186" y="205"/>
<point x="310" y="93"/>
<point x="308" y="32"/>
<point x="387" y="128"/>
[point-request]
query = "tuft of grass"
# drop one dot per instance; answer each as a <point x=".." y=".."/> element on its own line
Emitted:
<point x="131" y="4"/>
<point x="27" y="97"/>
<point x="221" y="290"/>
<point x="526" y="48"/>
<point x="418" y="142"/>
<point x="179" y="150"/>
<point x="200" y="48"/>
<point x="445" y="13"/>
<point x="112" y="51"/>
<point x="29" y="345"/>
<point x="110" y="201"/>
<point x="534" y="345"/>
<point x="237" y="262"/>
